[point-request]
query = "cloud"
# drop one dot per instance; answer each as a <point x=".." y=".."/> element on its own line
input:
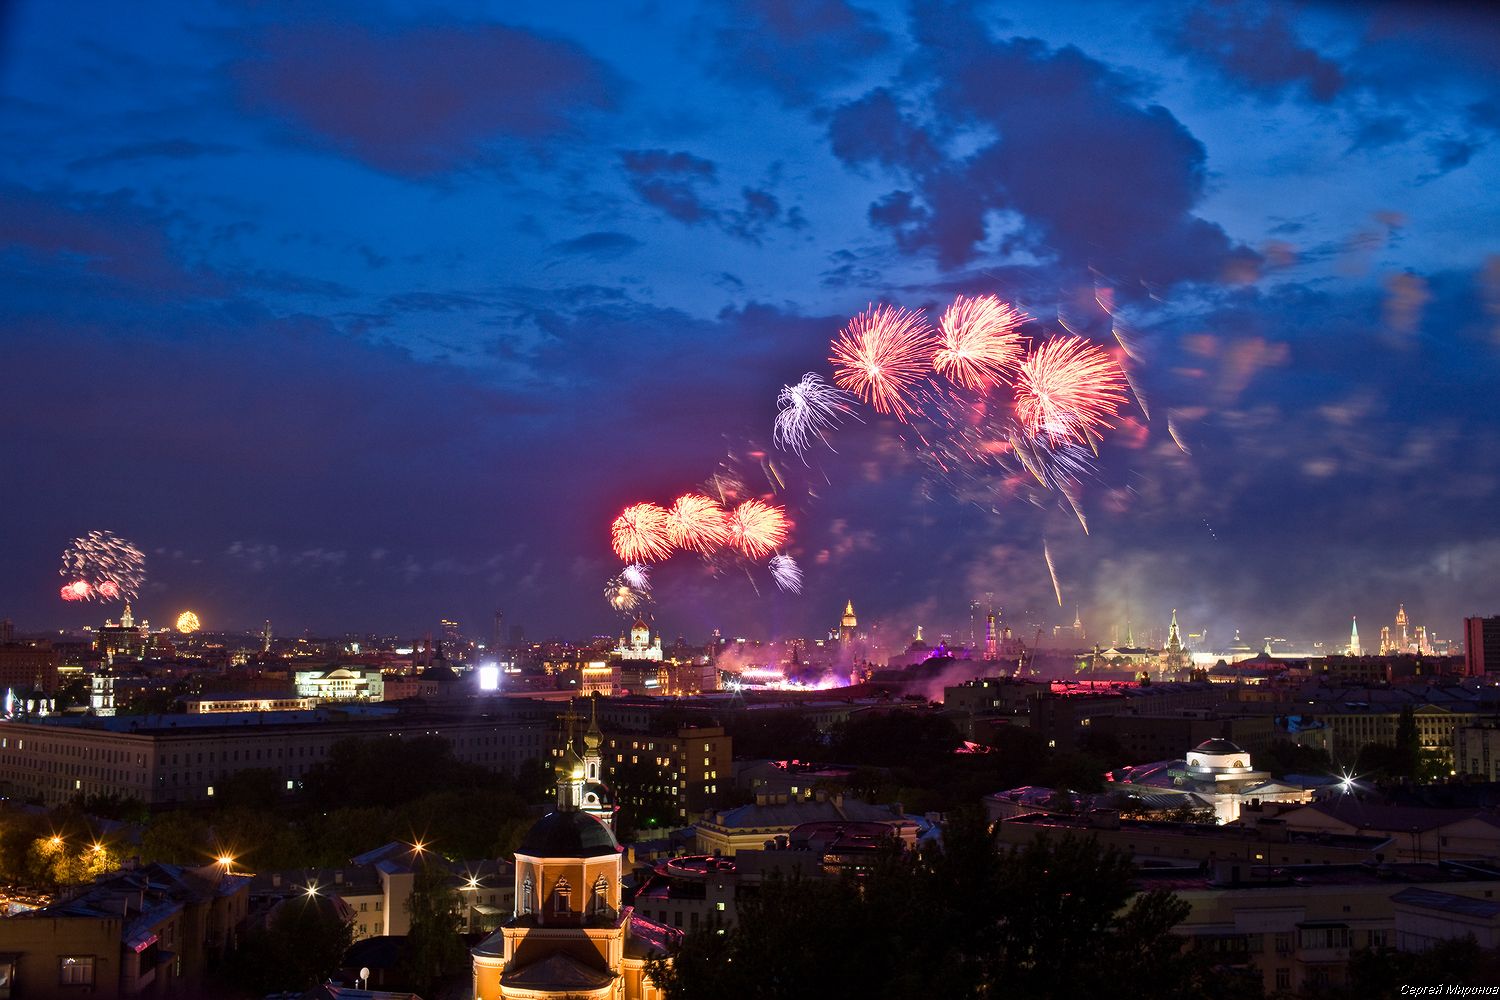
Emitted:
<point x="598" y="245"/>
<point x="795" y="48"/>
<point x="1256" y="48"/>
<point x="1092" y="175"/>
<point x="420" y="99"/>
<point x="678" y="184"/>
<point x="160" y="149"/>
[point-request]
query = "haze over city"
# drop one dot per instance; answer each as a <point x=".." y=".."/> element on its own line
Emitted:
<point x="353" y="317"/>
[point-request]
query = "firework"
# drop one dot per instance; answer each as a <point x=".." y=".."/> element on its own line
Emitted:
<point x="1052" y="569"/>
<point x="808" y="410"/>
<point x="881" y="355"/>
<point x="979" y="342"/>
<point x="623" y="596"/>
<point x="102" y="565"/>
<point x="786" y="573"/>
<point x="698" y="523"/>
<point x="757" y="528"/>
<point x="1068" y="389"/>
<point x="639" y="534"/>
<point x="187" y="623"/>
<point x="637" y="577"/>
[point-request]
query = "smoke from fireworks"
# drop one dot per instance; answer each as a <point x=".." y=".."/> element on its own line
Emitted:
<point x="786" y="573"/>
<point x="807" y="411"/>
<point x="1068" y="389"/>
<point x="881" y="355"/>
<point x="102" y="565"/>
<point x="697" y="523"/>
<point x="979" y="342"/>
<point x="640" y="533"/>
<point x="757" y="528"/>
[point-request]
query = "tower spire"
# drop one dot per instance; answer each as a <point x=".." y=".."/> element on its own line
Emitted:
<point x="1354" y="649"/>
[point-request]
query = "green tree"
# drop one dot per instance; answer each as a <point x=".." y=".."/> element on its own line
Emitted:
<point x="433" y="945"/>
<point x="300" y="944"/>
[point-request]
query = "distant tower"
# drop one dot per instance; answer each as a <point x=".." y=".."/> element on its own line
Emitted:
<point x="991" y="649"/>
<point x="497" y="640"/>
<point x="1385" y="639"/>
<point x="1354" y="649"/>
<point x="7" y="630"/>
<point x="1404" y="642"/>
<point x="847" y="625"/>
<point x="595" y="796"/>
<point x="973" y="624"/>
<point x="265" y="637"/>
<point x="127" y="620"/>
<point x="1177" y="657"/>
<point x="1077" y="625"/>
<point x="1129" y="635"/>
<point x="1174" y="639"/>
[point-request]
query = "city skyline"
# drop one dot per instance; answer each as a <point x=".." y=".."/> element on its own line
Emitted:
<point x="362" y="342"/>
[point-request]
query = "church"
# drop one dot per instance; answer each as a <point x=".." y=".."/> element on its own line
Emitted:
<point x="570" y="936"/>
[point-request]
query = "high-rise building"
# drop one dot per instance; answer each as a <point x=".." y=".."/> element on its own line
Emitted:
<point x="1481" y="645"/>
<point x="497" y="639"/>
<point x="1402" y="640"/>
<point x="7" y="630"/>
<point x="847" y="624"/>
<point x="265" y="637"/>
<point x="991" y="649"/>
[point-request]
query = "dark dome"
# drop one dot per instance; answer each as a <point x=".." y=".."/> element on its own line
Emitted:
<point x="439" y="672"/>
<point x="1217" y="746"/>
<point x="568" y="835"/>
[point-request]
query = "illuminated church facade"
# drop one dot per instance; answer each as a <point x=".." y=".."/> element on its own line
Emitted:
<point x="569" y="935"/>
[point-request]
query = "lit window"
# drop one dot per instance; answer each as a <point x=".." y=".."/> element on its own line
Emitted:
<point x="562" y="893"/>
<point x="76" y="970"/>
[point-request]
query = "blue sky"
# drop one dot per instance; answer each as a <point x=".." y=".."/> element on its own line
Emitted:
<point x="357" y="315"/>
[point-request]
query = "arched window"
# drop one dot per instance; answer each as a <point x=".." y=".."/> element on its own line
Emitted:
<point x="599" y="903"/>
<point x="562" y="894"/>
<point x="526" y="896"/>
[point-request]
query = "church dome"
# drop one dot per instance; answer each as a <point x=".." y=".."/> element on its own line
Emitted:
<point x="568" y="834"/>
<point x="1217" y="746"/>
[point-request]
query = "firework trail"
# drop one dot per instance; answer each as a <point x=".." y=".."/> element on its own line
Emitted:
<point x="979" y="342"/>
<point x="637" y="577"/>
<point x="1052" y="569"/>
<point x="697" y="523"/>
<point x="786" y="573"/>
<point x="640" y="535"/>
<point x="1068" y="389"/>
<point x="1176" y="435"/>
<point x="807" y="411"/>
<point x="757" y="528"/>
<point x="881" y="355"/>
<point x="102" y="565"/>
<point x="1135" y="390"/>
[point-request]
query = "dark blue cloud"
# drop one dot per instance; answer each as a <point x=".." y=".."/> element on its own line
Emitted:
<point x="1255" y="47"/>
<point x="796" y="48"/>
<point x="420" y="99"/>
<point x="599" y="246"/>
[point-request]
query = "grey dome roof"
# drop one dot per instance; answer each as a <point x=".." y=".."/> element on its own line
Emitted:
<point x="569" y="834"/>
<point x="1217" y="746"/>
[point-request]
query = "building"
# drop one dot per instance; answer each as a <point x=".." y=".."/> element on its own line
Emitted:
<point x="570" y="934"/>
<point x="1416" y="833"/>
<point x="695" y="762"/>
<point x="1216" y="771"/>
<point x="1477" y="749"/>
<point x="123" y="639"/>
<point x="751" y="827"/>
<point x="341" y="684"/>
<point x="28" y="666"/>
<point x="252" y="702"/>
<point x="164" y="759"/>
<point x="152" y="931"/>
<point x="1293" y="928"/>
<point x="1481" y="646"/>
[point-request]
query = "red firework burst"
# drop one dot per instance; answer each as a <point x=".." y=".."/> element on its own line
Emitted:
<point x="697" y="522"/>
<point x="881" y="355"/>
<point x="639" y="534"/>
<point x="1068" y="389"/>
<point x="757" y="529"/>
<point x="979" y="343"/>
<point x="78" y="590"/>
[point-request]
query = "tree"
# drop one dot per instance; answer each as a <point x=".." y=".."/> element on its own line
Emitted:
<point x="300" y="944"/>
<point x="1283" y="757"/>
<point x="433" y="946"/>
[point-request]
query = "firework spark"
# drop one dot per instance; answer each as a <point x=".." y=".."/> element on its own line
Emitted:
<point x="697" y="523"/>
<point x="1068" y="389"/>
<point x="637" y="577"/>
<point x="979" y="342"/>
<point x="640" y="533"/>
<point x="757" y="528"/>
<point x="808" y="411"/>
<point x="623" y="597"/>
<point x="102" y="565"/>
<point x="188" y="623"/>
<point x="881" y="355"/>
<point x="786" y="573"/>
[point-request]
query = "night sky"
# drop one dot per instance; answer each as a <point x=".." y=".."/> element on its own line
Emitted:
<point x="357" y="315"/>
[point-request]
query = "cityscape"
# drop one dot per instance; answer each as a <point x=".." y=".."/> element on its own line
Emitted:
<point x="861" y="498"/>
